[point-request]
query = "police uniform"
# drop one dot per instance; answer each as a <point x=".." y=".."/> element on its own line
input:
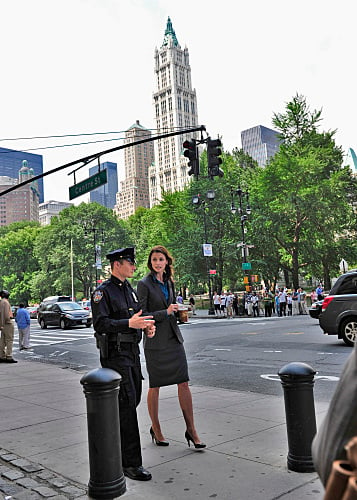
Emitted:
<point x="113" y="303"/>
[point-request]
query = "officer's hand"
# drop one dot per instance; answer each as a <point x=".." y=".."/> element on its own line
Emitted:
<point x="138" y="321"/>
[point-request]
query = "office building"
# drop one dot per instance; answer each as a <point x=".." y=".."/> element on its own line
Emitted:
<point x="175" y="108"/>
<point x="261" y="143"/>
<point x="106" y="194"/>
<point x="11" y="162"/>
<point x="49" y="209"/>
<point x="22" y="203"/>
<point x="134" y="191"/>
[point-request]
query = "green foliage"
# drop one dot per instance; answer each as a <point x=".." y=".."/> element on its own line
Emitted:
<point x="18" y="262"/>
<point x="302" y="223"/>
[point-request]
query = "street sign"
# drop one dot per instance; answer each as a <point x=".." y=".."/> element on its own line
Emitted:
<point x="246" y="266"/>
<point x="207" y="249"/>
<point x="88" y="184"/>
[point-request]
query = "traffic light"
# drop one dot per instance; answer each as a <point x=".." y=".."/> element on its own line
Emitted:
<point x="191" y="152"/>
<point x="213" y="156"/>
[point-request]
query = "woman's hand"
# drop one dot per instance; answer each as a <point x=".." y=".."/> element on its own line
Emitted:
<point x="172" y="308"/>
<point x="150" y="331"/>
<point x="141" y="322"/>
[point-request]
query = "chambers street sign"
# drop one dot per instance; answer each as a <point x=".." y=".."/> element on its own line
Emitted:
<point x="88" y="185"/>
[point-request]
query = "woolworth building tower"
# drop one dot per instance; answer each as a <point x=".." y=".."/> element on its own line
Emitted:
<point x="175" y="108"/>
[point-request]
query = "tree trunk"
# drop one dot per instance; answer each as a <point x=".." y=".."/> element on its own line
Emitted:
<point x="295" y="268"/>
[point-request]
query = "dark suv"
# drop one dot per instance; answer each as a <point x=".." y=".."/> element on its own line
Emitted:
<point x="63" y="314"/>
<point x="339" y="309"/>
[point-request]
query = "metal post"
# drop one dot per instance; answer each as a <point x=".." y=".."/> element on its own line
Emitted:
<point x="297" y="380"/>
<point x="211" y="307"/>
<point x="101" y="389"/>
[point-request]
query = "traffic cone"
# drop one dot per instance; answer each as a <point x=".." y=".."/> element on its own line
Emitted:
<point x="351" y="451"/>
<point x="351" y="490"/>
<point x="336" y="485"/>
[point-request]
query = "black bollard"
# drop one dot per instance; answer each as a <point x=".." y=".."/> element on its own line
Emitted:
<point x="297" y="380"/>
<point x="101" y="389"/>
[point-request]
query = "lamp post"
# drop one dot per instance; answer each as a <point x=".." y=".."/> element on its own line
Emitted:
<point x="98" y="235"/>
<point x="197" y="201"/>
<point x="243" y="210"/>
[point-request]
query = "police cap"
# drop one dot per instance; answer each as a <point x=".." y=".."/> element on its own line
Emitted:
<point x="122" y="253"/>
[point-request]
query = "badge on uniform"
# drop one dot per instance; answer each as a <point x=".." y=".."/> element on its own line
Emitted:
<point x="97" y="296"/>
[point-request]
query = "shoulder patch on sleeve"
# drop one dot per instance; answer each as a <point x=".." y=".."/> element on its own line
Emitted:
<point x="97" y="296"/>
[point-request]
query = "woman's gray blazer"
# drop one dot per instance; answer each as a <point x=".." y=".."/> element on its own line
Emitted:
<point x="153" y="302"/>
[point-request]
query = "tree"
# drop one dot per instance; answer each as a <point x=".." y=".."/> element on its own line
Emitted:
<point x="53" y="248"/>
<point x="295" y="191"/>
<point x="18" y="263"/>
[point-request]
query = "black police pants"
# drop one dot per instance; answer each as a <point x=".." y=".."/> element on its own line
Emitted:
<point x="127" y="364"/>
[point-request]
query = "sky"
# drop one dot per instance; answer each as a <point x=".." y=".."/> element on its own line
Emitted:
<point x="74" y="67"/>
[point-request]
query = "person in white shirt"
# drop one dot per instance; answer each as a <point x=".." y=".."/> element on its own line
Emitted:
<point x="229" y="305"/>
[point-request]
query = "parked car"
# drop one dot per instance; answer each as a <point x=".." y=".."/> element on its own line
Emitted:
<point x="315" y="309"/>
<point x="63" y="315"/>
<point x="86" y="304"/>
<point x="14" y="310"/>
<point x="32" y="311"/>
<point x="339" y="309"/>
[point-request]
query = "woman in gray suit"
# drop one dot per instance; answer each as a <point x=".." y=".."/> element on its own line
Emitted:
<point x="164" y="353"/>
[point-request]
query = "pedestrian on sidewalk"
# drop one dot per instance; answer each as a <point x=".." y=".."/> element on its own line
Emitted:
<point x="23" y="325"/>
<point x="118" y="323"/>
<point x="164" y="353"/>
<point x="217" y="304"/>
<point x="192" y="303"/>
<point x="7" y="329"/>
<point x="229" y="305"/>
<point x="255" y="303"/>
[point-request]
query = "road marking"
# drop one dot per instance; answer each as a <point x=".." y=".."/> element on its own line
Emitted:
<point x="275" y="378"/>
<point x="222" y="349"/>
<point x="272" y="351"/>
<point x="294" y="333"/>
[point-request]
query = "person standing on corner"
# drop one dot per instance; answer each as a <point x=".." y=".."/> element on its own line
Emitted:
<point x="192" y="303"/>
<point x="118" y="325"/>
<point x="165" y="355"/>
<point x="7" y="329"/>
<point x="23" y="325"/>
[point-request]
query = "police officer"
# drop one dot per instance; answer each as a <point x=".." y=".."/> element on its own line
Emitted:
<point x="118" y="325"/>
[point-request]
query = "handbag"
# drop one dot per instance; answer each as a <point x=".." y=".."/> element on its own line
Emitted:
<point x="340" y="422"/>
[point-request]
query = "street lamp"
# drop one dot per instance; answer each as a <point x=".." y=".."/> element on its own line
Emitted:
<point x="197" y="202"/>
<point x="98" y="235"/>
<point x="244" y="210"/>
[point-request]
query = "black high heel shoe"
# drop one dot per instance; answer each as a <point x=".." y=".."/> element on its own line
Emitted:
<point x="157" y="442"/>
<point x="198" y="446"/>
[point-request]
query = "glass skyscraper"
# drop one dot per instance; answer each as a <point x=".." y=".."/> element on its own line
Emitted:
<point x="106" y="195"/>
<point x="11" y="163"/>
<point x="261" y="143"/>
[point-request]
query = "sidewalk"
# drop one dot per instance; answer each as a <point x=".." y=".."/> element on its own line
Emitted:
<point x="44" y="453"/>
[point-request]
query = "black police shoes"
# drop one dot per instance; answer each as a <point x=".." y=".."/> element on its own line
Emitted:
<point x="137" y="473"/>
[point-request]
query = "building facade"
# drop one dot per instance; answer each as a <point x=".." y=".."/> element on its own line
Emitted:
<point x="11" y="162"/>
<point x="175" y="108"/>
<point x="49" y="209"/>
<point x="22" y="204"/>
<point x="106" y="194"/>
<point x="261" y="143"/>
<point x="134" y="191"/>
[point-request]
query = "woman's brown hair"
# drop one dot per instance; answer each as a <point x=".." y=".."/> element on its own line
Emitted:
<point x="169" y="270"/>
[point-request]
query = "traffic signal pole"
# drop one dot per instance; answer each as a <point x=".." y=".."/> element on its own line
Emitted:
<point x="96" y="156"/>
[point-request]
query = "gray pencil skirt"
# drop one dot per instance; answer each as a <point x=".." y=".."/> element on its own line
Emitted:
<point x="167" y="366"/>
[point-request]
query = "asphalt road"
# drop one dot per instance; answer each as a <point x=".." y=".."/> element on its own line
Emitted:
<point x="242" y="354"/>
